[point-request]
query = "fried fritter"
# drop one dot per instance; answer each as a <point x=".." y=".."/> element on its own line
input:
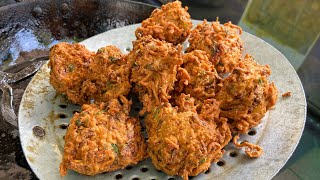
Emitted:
<point x="102" y="138"/>
<point x="69" y="64"/>
<point x="246" y="95"/>
<point x="221" y="42"/>
<point x="108" y="75"/>
<point x="171" y="23"/>
<point x="197" y="77"/>
<point x="181" y="142"/>
<point x="154" y="69"/>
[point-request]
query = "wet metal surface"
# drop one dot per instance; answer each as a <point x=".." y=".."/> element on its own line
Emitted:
<point x="33" y="27"/>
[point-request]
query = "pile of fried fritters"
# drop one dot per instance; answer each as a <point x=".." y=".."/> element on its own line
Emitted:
<point x="195" y="102"/>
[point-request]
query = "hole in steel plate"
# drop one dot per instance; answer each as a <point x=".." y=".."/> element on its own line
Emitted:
<point x="63" y="106"/>
<point x="191" y="177"/>
<point x="119" y="176"/>
<point x="64" y="126"/>
<point x="128" y="167"/>
<point x="233" y="154"/>
<point x="144" y="169"/>
<point x="136" y="178"/>
<point x="128" y="49"/>
<point x="171" y="178"/>
<point x="38" y="131"/>
<point x="252" y="132"/>
<point x="220" y="163"/>
<point x="159" y="171"/>
<point x="146" y="139"/>
<point x="208" y="171"/>
<point x="153" y="179"/>
<point x="62" y="116"/>
<point x="75" y="111"/>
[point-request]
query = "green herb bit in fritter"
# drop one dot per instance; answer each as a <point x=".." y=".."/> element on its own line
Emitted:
<point x="134" y="64"/>
<point x="137" y="51"/>
<point x="70" y="67"/>
<point x="109" y="85"/>
<point x="260" y="81"/>
<point x="100" y="112"/>
<point x="115" y="148"/>
<point x="113" y="59"/>
<point x="156" y="113"/>
<point x="226" y="30"/>
<point x="78" y="122"/>
<point x="202" y="73"/>
<point x="101" y="50"/>
<point x="211" y="81"/>
<point x="185" y="25"/>
<point x="149" y="66"/>
<point x="202" y="160"/>
<point x="86" y="123"/>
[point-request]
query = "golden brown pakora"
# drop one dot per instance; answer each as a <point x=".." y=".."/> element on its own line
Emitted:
<point x="171" y="23"/>
<point x="69" y="64"/>
<point x="103" y="138"/>
<point x="197" y="77"/>
<point x="222" y="43"/>
<point x="246" y="95"/>
<point x="193" y="101"/>
<point x="183" y="142"/>
<point x="108" y="75"/>
<point x="154" y="69"/>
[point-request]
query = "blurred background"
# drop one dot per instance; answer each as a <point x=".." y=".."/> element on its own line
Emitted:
<point x="28" y="28"/>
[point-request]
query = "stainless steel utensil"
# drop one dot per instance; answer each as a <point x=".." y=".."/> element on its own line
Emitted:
<point x="7" y="110"/>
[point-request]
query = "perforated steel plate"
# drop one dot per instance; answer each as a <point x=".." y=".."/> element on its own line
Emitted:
<point x="278" y="134"/>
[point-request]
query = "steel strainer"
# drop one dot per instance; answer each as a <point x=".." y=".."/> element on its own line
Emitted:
<point x="44" y="117"/>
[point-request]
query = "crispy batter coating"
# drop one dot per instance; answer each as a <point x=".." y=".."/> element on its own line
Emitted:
<point x="183" y="143"/>
<point x="102" y="138"/>
<point x="154" y="70"/>
<point x="221" y="42"/>
<point x="108" y="75"/>
<point x="69" y="64"/>
<point x="171" y="23"/>
<point x="83" y="75"/>
<point x="246" y="95"/>
<point x="212" y="91"/>
<point x="252" y="150"/>
<point x="197" y="77"/>
<point x="286" y="94"/>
